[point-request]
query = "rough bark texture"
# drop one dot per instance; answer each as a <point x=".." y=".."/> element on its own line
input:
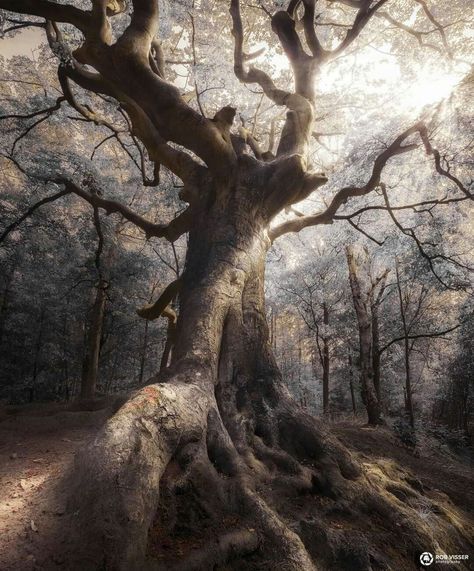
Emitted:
<point x="214" y="447"/>
<point x="376" y="352"/>
<point x="92" y="351"/>
<point x="326" y="361"/>
<point x="406" y="349"/>
<point x="215" y="450"/>
<point x="361" y="295"/>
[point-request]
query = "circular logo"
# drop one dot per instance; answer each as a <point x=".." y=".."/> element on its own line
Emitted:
<point x="426" y="558"/>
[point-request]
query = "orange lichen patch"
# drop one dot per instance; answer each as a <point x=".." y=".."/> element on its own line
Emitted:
<point x="148" y="395"/>
<point x="152" y="393"/>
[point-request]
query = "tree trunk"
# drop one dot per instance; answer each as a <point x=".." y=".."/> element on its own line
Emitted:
<point x="37" y="355"/>
<point x="361" y="302"/>
<point x="406" y="347"/>
<point x="93" y="338"/>
<point x="143" y="353"/>
<point x="216" y="442"/>
<point x="409" y="397"/>
<point x="351" y="385"/>
<point x="326" y="362"/>
<point x="376" y="352"/>
<point x="169" y="343"/>
<point x="222" y="371"/>
<point x="5" y="300"/>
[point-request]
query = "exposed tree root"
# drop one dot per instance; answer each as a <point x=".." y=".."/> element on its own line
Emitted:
<point x="218" y="491"/>
<point x="219" y="551"/>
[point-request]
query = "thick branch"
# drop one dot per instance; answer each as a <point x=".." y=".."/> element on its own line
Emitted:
<point x="143" y="27"/>
<point x="253" y="75"/>
<point x="343" y="195"/>
<point x="151" y="229"/>
<point x="310" y="32"/>
<point x="155" y="310"/>
<point x="364" y="14"/>
<point x="50" y="11"/>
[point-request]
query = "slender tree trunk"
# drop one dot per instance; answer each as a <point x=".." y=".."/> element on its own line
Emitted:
<point x="406" y="347"/>
<point x="351" y="385"/>
<point x="361" y="302"/>
<point x="168" y="348"/>
<point x="376" y="352"/>
<point x="37" y="355"/>
<point x="93" y="340"/>
<point x="143" y="352"/>
<point x="5" y="300"/>
<point x="326" y="362"/>
<point x="409" y="401"/>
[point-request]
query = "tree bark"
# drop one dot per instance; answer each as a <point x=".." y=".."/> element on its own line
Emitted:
<point x="37" y="355"/>
<point x="406" y="348"/>
<point x="361" y="299"/>
<point x="351" y="385"/>
<point x="93" y="338"/>
<point x="376" y="352"/>
<point x="326" y="361"/>
<point x="220" y="411"/>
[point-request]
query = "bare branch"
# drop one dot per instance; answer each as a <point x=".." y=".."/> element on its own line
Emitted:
<point x="50" y="11"/>
<point x="31" y="210"/>
<point x="366" y="234"/>
<point x="343" y="195"/>
<point x="430" y="335"/>
<point x="435" y="22"/>
<point x="150" y="229"/>
<point x="49" y="110"/>
<point x="437" y="159"/>
<point x="364" y="14"/>
<point x="171" y="232"/>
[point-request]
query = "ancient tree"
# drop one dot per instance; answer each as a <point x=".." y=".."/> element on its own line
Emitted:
<point x="216" y="432"/>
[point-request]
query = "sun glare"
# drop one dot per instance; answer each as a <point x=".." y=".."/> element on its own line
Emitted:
<point x="428" y="90"/>
<point x="379" y="74"/>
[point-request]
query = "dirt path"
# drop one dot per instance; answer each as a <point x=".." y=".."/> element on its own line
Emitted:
<point x="35" y="453"/>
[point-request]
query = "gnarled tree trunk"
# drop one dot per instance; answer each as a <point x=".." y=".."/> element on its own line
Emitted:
<point x="215" y="441"/>
<point x="218" y="414"/>
<point x="214" y="447"/>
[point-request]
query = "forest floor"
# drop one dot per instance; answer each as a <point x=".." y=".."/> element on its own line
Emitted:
<point x="436" y="469"/>
<point x="37" y="448"/>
